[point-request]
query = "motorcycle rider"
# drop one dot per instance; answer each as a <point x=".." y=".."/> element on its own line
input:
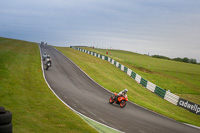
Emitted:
<point x="48" y="59"/>
<point x="44" y="56"/>
<point x="121" y="93"/>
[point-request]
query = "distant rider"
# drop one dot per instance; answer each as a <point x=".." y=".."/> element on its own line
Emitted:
<point x="48" y="59"/>
<point x="121" y="93"/>
<point x="44" y="56"/>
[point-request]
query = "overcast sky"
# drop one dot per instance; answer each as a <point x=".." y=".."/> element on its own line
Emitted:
<point x="165" y="27"/>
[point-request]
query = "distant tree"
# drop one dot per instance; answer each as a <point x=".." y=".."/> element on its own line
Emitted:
<point x="193" y="61"/>
<point x="161" y="57"/>
<point x="185" y="59"/>
<point x="178" y="59"/>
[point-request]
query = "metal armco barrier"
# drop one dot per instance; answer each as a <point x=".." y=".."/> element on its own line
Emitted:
<point x="160" y="92"/>
<point x="170" y="97"/>
<point x="151" y="86"/>
<point x="143" y="82"/>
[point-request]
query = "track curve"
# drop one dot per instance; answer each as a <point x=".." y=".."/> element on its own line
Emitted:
<point x="77" y="90"/>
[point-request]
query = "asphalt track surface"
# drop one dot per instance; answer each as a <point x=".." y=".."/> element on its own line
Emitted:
<point x="77" y="90"/>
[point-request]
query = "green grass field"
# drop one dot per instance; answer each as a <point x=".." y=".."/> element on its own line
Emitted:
<point x="182" y="79"/>
<point x="24" y="92"/>
<point x="115" y="80"/>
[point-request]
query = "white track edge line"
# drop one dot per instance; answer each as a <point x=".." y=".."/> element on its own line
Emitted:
<point x="66" y="103"/>
<point x="192" y="125"/>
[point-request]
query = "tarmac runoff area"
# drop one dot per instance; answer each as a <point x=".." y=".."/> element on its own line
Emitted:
<point x="80" y="93"/>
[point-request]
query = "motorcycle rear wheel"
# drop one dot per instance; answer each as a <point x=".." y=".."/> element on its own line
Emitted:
<point x="47" y="67"/>
<point x="111" y="101"/>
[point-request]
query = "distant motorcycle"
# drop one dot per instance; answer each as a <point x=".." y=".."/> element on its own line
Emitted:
<point x="48" y="64"/>
<point x="121" y="100"/>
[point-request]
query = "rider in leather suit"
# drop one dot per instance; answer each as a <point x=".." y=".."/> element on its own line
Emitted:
<point x="121" y="93"/>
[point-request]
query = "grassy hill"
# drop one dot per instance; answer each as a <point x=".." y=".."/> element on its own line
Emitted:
<point x="115" y="80"/>
<point x="24" y="92"/>
<point x="180" y="78"/>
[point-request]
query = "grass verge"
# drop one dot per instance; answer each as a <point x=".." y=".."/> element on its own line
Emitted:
<point x="180" y="78"/>
<point x="99" y="127"/>
<point x="115" y="80"/>
<point x="24" y="92"/>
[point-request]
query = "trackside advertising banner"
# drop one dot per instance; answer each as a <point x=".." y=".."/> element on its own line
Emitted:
<point x="192" y="107"/>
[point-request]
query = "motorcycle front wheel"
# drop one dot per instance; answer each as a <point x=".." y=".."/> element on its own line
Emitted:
<point x="122" y="104"/>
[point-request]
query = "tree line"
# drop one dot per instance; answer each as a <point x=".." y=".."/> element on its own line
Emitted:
<point x="185" y="59"/>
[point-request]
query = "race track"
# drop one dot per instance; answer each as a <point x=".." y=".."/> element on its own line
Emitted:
<point x="82" y="94"/>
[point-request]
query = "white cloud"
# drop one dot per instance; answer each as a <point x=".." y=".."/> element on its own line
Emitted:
<point x="154" y="26"/>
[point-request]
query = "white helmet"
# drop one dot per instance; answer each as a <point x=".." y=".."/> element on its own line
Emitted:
<point x="126" y="90"/>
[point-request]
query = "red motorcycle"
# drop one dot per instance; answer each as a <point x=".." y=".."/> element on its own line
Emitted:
<point x="121" y="100"/>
